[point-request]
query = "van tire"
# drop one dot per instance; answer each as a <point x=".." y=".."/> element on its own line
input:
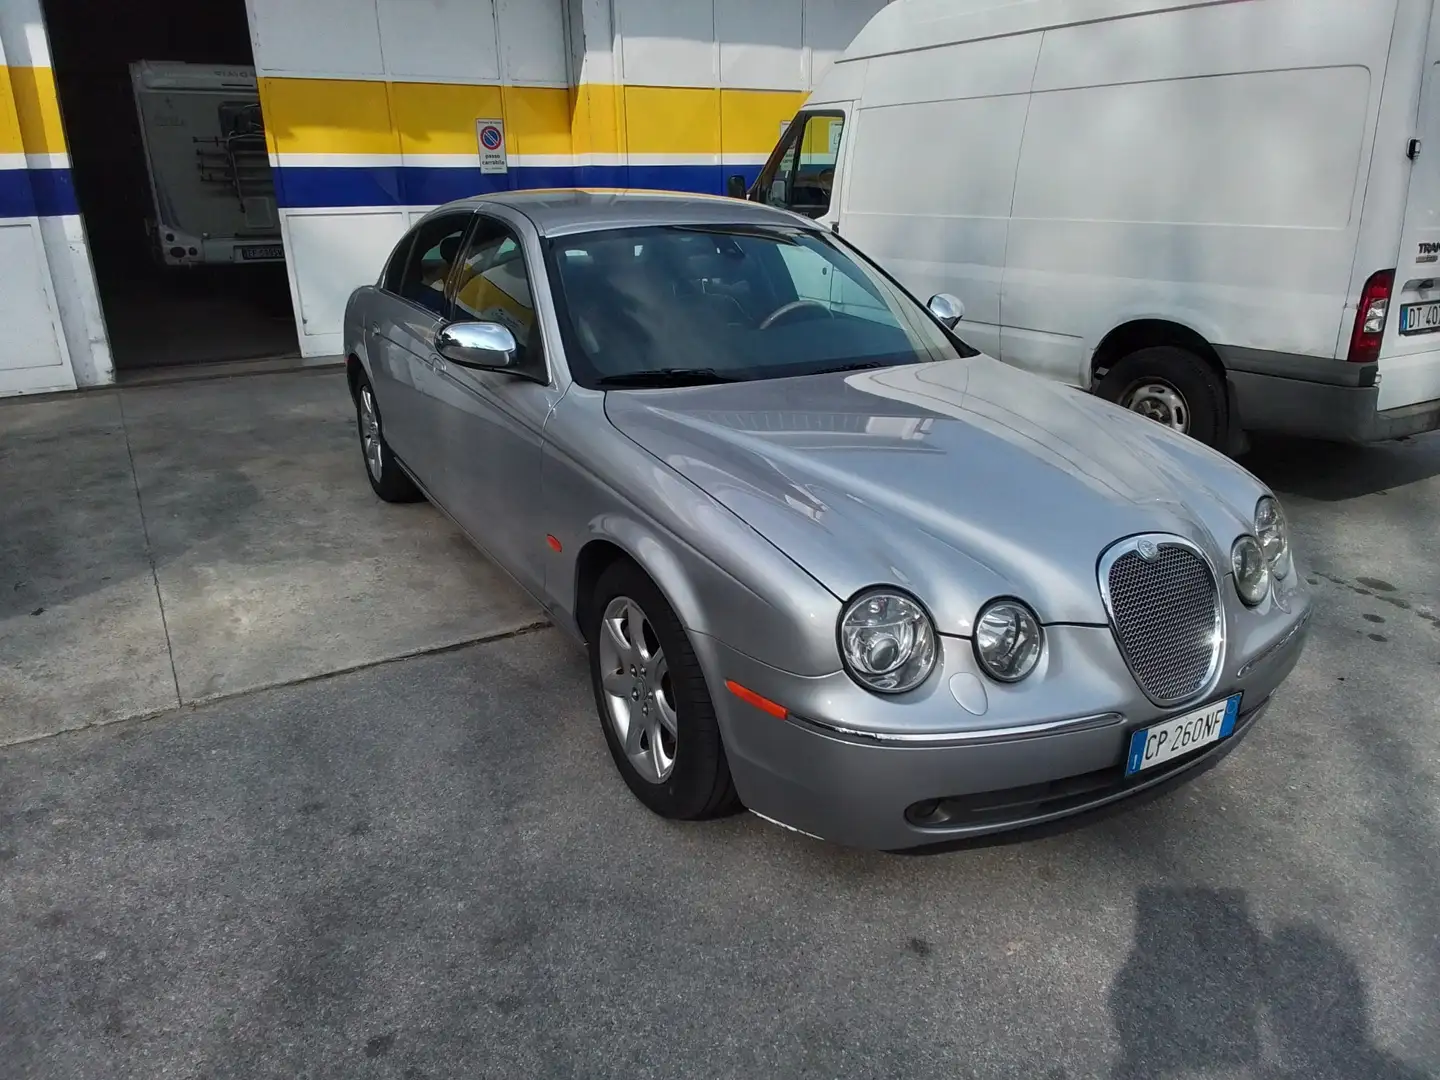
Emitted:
<point x="1165" y="380"/>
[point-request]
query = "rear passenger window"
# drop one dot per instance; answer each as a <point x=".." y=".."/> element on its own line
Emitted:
<point x="433" y="253"/>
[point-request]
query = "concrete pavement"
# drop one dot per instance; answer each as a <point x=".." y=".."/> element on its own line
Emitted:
<point x="431" y="869"/>
<point x="171" y="544"/>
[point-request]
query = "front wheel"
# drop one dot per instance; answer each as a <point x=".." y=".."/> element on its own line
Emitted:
<point x="655" y="708"/>
<point x="1173" y="387"/>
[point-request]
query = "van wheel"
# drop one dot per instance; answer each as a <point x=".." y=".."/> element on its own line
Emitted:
<point x="1173" y="387"/>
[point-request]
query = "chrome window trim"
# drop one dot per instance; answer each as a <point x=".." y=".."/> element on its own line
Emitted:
<point x="1129" y="544"/>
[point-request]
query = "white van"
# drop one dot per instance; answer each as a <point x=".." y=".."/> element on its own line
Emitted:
<point x="1222" y="215"/>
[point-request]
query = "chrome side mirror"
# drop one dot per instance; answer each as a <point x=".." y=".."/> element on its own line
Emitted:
<point x="485" y="345"/>
<point x="948" y="309"/>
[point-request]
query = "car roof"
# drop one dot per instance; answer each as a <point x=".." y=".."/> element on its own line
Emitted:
<point x="566" y="211"/>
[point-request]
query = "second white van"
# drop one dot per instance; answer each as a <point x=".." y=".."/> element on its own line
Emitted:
<point x="1220" y="215"/>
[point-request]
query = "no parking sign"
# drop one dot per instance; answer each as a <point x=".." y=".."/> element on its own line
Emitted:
<point x="491" y="136"/>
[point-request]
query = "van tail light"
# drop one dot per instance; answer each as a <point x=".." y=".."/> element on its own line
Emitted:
<point x="1370" y="318"/>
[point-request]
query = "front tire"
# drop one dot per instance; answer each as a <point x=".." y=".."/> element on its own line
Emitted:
<point x="387" y="479"/>
<point x="655" y="709"/>
<point x="1174" y="387"/>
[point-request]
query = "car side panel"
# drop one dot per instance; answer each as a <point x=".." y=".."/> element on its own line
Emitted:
<point x="721" y="577"/>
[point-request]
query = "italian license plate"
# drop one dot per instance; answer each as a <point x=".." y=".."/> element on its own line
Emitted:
<point x="1420" y="318"/>
<point x="263" y="251"/>
<point x="1179" y="735"/>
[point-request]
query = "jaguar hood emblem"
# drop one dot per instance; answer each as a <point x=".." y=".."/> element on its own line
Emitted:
<point x="1147" y="549"/>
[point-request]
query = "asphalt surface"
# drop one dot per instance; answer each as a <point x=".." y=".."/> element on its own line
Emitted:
<point x="430" y="868"/>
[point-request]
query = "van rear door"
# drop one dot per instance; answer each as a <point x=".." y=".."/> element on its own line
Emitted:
<point x="1410" y="351"/>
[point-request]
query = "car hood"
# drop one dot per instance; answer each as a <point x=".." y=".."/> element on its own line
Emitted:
<point x="959" y="481"/>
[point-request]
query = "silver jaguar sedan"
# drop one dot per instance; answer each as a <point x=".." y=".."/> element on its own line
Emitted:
<point x="828" y="561"/>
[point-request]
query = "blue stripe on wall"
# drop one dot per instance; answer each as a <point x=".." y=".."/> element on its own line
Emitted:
<point x="54" y="192"/>
<point x="17" y="198"/>
<point x="418" y="185"/>
<point x="36" y="192"/>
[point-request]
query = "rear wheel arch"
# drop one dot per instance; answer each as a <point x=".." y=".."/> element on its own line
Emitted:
<point x="354" y="373"/>
<point x="1130" y="337"/>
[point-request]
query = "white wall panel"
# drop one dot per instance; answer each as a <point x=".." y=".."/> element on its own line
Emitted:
<point x="532" y="37"/>
<point x="330" y="254"/>
<point x="440" y="40"/>
<point x="830" y="26"/>
<point x="33" y="357"/>
<point x="667" y="42"/>
<point x="315" y="37"/>
<point x="760" y="44"/>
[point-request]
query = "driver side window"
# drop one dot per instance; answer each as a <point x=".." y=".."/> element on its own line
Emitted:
<point x="802" y="174"/>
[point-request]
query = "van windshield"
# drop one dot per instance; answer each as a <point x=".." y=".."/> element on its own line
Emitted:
<point x="677" y="304"/>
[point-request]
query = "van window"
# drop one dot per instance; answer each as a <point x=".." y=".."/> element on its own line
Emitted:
<point x="801" y="172"/>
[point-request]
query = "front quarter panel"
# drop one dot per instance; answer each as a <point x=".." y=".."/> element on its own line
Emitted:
<point x="722" y="578"/>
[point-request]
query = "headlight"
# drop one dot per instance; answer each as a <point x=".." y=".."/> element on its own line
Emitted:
<point x="1252" y="572"/>
<point x="1008" y="640"/>
<point x="1273" y="535"/>
<point x="887" y="641"/>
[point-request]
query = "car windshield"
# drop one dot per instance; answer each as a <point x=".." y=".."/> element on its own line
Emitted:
<point x="686" y="305"/>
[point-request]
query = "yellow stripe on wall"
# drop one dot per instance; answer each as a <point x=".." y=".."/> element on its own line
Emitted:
<point x="10" y="141"/>
<point x="30" y="120"/>
<point x="329" y="116"/>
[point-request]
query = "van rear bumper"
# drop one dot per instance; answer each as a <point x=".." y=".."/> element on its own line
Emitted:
<point x="1317" y="398"/>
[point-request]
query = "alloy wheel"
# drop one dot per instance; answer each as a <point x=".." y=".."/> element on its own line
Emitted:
<point x="370" y="434"/>
<point x="639" y="696"/>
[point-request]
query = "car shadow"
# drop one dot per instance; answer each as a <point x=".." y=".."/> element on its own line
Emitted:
<point x="1333" y="472"/>
<point x="1204" y="983"/>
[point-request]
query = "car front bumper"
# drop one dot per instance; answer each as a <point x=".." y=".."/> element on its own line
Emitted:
<point x="921" y="769"/>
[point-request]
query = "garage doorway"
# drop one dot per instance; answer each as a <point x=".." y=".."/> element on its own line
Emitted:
<point x="168" y="156"/>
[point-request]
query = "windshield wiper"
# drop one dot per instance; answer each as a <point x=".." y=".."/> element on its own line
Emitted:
<point x="670" y="376"/>
<point x="859" y="365"/>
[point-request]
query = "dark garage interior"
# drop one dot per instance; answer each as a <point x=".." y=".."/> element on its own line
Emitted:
<point x="157" y="315"/>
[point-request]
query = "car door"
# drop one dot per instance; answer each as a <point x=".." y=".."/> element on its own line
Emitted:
<point x="413" y="309"/>
<point x="491" y="423"/>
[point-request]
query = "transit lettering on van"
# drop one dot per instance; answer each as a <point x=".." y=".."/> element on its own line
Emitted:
<point x="1212" y="236"/>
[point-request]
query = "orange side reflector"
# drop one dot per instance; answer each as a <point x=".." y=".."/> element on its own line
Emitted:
<point x="553" y="542"/>
<point x="751" y="698"/>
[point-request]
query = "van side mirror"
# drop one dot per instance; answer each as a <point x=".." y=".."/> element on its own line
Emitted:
<point x="485" y="345"/>
<point x="948" y="309"/>
<point x="735" y="186"/>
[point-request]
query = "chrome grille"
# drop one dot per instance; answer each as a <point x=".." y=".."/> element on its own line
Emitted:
<point x="1166" y="615"/>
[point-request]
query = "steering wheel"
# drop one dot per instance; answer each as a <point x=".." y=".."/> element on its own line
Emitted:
<point x="794" y="305"/>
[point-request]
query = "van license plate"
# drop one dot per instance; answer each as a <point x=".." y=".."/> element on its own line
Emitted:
<point x="1420" y="318"/>
<point x="268" y="251"/>
<point x="1161" y="742"/>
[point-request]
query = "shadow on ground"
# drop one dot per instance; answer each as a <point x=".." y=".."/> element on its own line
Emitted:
<point x="1205" y="985"/>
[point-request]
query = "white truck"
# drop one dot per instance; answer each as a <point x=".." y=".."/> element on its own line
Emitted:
<point x="204" y="139"/>
<point x="1221" y="215"/>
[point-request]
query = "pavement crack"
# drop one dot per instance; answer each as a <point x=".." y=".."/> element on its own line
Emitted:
<point x="149" y="550"/>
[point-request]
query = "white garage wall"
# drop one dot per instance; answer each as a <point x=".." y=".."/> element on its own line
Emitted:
<point x="749" y="44"/>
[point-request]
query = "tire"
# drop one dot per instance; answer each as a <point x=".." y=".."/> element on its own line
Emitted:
<point x="387" y="479"/>
<point x="1148" y="381"/>
<point x="697" y="783"/>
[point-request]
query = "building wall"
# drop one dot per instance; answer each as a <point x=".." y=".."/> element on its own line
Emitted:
<point x="53" y="335"/>
<point x="371" y="108"/>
